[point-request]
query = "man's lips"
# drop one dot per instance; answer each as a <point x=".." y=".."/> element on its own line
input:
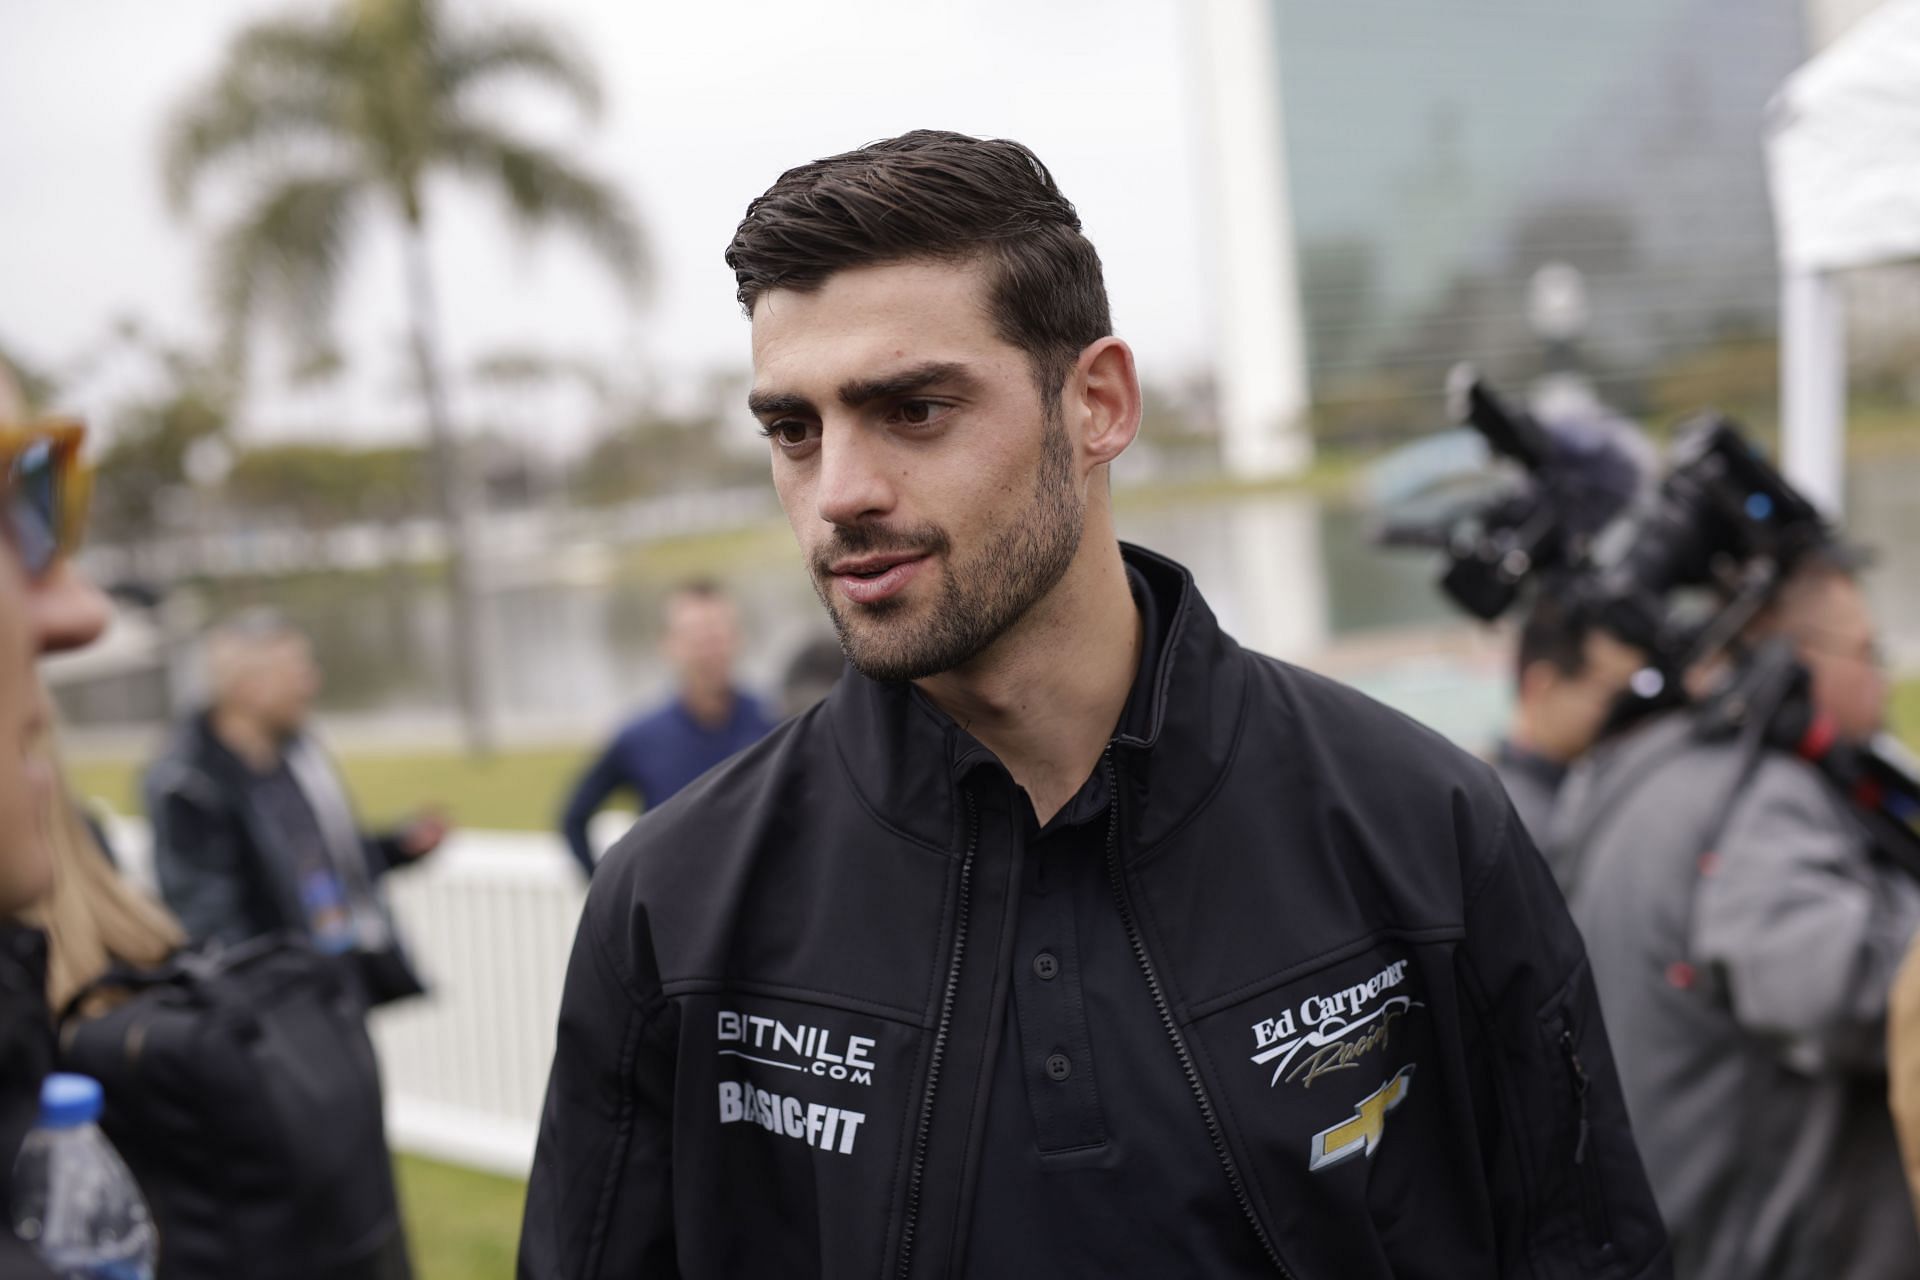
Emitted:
<point x="871" y="579"/>
<point x="868" y="566"/>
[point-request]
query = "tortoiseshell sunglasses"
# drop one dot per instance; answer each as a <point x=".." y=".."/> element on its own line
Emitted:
<point x="44" y="491"/>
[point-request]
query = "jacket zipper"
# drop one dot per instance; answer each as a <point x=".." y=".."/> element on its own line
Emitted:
<point x="1578" y="1074"/>
<point x="1199" y="1090"/>
<point x="917" y="1176"/>
<point x="1593" y="1205"/>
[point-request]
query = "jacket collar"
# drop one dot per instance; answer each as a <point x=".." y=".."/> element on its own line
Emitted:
<point x="906" y="760"/>
<point x="198" y="743"/>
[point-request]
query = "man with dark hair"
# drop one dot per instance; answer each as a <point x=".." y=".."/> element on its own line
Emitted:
<point x="708" y="718"/>
<point x="1065" y="937"/>
<point x="1745" y="934"/>
<point x="1568" y="673"/>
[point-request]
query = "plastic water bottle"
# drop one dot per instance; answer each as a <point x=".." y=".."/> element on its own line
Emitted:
<point x="73" y="1200"/>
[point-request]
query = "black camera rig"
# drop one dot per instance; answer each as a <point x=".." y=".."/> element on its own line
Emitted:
<point x="1677" y="569"/>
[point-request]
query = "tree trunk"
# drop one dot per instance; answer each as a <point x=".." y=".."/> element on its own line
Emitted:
<point x="467" y="645"/>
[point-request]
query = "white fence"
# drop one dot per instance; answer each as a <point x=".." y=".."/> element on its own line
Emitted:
<point x="489" y="922"/>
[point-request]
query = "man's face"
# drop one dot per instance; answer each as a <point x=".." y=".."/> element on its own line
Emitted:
<point x="702" y="640"/>
<point x="935" y="498"/>
<point x="1832" y="630"/>
<point x="280" y="683"/>
<point x="61" y="611"/>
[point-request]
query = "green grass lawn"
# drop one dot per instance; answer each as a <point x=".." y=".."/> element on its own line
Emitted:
<point x="513" y="791"/>
<point x="461" y="1225"/>
<point x="1905" y="716"/>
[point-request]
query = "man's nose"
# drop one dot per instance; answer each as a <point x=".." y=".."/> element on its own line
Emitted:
<point x="65" y="609"/>
<point x="854" y="483"/>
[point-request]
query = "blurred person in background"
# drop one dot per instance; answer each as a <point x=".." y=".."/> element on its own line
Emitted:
<point x="253" y="831"/>
<point x="1745" y="935"/>
<point x="1065" y="937"/>
<point x="811" y="673"/>
<point x="708" y="718"/>
<point x="46" y="606"/>
<point x="1567" y="674"/>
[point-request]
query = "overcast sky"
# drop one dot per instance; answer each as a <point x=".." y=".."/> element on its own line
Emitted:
<point x="706" y="103"/>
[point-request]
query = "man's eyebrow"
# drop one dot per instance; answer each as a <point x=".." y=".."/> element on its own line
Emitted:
<point x="769" y="404"/>
<point x="905" y="382"/>
<point x="861" y="391"/>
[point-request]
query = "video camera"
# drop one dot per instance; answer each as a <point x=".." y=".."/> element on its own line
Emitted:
<point x="1677" y="569"/>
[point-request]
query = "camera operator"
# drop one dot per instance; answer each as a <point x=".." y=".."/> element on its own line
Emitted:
<point x="1744" y="935"/>
<point x="1567" y="673"/>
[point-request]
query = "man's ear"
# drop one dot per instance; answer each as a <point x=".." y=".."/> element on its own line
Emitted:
<point x="1103" y="392"/>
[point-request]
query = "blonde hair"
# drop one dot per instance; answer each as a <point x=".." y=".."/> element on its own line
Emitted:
<point x="92" y="917"/>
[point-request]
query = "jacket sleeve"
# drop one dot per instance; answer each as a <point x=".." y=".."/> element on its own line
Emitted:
<point x="1802" y="925"/>
<point x="385" y="854"/>
<point x="599" y="782"/>
<point x="600" y="1198"/>
<point x="1565" y="1184"/>
<point x="197" y="857"/>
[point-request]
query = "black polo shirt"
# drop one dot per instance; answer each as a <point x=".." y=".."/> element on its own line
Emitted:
<point x="1096" y="1160"/>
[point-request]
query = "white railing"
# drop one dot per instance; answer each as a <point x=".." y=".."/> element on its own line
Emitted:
<point x="489" y="922"/>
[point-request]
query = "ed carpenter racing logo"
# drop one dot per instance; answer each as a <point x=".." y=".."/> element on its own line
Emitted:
<point x="1332" y="1032"/>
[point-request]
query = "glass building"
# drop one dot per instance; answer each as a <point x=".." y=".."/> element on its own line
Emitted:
<point x="1439" y="154"/>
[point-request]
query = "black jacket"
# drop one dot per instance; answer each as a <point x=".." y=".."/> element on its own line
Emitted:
<point x="778" y="1023"/>
<point x="223" y="868"/>
<point x="26" y="1056"/>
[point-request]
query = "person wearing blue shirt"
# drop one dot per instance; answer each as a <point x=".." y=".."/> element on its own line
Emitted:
<point x="708" y="719"/>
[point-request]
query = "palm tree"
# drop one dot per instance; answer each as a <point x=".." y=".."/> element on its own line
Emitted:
<point x="341" y="116"/>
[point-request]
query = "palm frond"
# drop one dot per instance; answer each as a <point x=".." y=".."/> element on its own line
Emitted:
<point x="474" y="57"/>
<point x="543" y="189"/>
<point x="295" y="48"/>
<point x="284" y="257"/>
<point x="282" y="82"/>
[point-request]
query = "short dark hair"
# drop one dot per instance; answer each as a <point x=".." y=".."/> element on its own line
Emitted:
<point x="940" y="196"/>
<point x="1556" y="631"/>
<point x="701" y="588"/>
<point x="1812" y="572"/>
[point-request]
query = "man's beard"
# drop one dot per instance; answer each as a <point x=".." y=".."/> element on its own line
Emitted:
<point x="981" y="599"/>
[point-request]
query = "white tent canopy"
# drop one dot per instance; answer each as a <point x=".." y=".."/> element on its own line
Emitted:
<point x="1844" y="162"/>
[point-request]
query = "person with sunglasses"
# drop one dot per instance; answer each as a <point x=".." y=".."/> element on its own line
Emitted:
<point x="46" y="605"/>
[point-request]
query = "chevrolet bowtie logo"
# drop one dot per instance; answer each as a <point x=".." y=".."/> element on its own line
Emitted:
<point x="1362" y="1133"/>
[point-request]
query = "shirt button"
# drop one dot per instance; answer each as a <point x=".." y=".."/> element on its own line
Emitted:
<point x="1058" y="1067"/>
<point x="1046" y="966"/>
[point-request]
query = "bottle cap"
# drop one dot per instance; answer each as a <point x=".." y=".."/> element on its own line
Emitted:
<point x="68" y="1101"/>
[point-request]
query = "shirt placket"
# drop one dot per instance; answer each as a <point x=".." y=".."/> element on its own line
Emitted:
<point x="1056" y="1052"/>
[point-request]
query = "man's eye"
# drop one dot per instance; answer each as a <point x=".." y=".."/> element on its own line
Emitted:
<point x="788" y="433"/>
<point x="920" y="413"/>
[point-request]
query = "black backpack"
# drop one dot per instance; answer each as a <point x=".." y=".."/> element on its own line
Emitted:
<point x="241" y="1089"/>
